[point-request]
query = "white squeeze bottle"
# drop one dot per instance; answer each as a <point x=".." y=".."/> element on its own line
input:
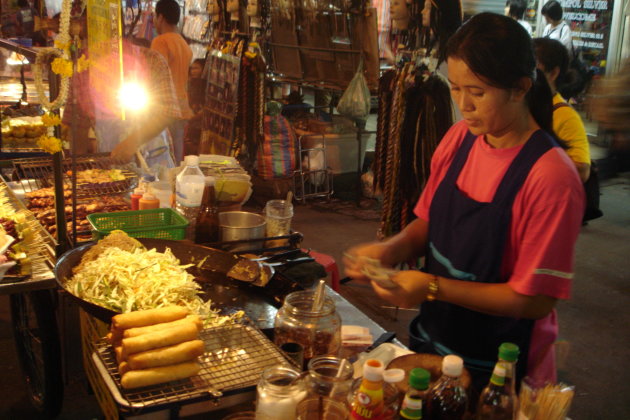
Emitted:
<point x="189" y="187"/>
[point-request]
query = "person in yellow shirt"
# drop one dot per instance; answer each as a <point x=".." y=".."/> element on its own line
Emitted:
<point x="552" y="59"/>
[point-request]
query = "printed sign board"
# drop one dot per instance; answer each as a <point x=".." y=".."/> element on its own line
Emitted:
<point x="590" y="22"/>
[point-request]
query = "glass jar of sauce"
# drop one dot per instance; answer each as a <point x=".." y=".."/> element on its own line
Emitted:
<point x="317" y="330"/>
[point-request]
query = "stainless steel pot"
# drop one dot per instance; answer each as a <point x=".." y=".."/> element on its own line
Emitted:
<point x="240" y="225"/>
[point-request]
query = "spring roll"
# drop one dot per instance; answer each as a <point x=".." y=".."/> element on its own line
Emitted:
<point x="158" y="375"/>
<point x="119" y="354"/>
<point x="177" y="353"/>
<point x="134" y="332"/>
<point x="123" y="368"/>
<point x="161" y="338"/>
<point x="148" y="317"/>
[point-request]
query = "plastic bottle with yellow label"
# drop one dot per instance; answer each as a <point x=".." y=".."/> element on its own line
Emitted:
<point x="369" y="403"/>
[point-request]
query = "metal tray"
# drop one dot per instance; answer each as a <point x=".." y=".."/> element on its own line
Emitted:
<point x="234" y="359"/>
<point x="38" y="173"/>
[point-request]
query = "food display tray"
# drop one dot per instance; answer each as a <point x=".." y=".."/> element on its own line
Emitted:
<point x="37" y="173"/>
<point x="235" y="357"/>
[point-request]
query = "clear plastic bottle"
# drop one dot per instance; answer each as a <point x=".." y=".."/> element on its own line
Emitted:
<point x="189" y="187"/>
<point x="413" y="404"/>
<point x="495" y="402"/>
<point x="508" y="355"/>
<point x="447" y="399"/>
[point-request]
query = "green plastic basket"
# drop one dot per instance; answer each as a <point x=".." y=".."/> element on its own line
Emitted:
<point x="154" y="223"/>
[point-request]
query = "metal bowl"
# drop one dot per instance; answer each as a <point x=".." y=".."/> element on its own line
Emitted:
<point x="242" y="225"/>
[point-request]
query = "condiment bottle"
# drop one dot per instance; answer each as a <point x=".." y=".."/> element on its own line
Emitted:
<point x="508" y="355"/>
<point x="413" y="403"/>
<point x="391" y="392"/>
<point x="495" y="402"/>
<point x="135" y="198"/>
<point x="369" y="402"/>
<point x="148" y="201"/>
<point x="447" y="399"/>
<point x="278" y="393"/>
<point x="207" y="226"/>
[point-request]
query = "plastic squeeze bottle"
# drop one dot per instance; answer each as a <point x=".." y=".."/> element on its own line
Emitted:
<point x="369" y="401"/>
<point x="135" y="198"/>
<point x="413" y="404"/>
<point x="148" y="201"/>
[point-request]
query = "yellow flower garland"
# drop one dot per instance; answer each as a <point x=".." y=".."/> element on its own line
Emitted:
<point x="50" y="144"/>
<point x="62" y="67"/>
<point x="51" y="120"/>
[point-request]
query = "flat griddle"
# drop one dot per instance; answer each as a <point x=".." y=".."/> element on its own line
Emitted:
<point x="228" y="295"/>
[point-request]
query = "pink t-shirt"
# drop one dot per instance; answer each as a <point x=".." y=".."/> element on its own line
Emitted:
<point x="546" y="219"/>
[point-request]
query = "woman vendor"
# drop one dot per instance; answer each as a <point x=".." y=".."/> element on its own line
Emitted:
<point x="498" y="219"/>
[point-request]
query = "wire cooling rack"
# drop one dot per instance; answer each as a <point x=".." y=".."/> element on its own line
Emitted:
<point x="235" y="357"/>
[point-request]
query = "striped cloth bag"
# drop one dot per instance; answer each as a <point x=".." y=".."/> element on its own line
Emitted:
<point x="277" y="155"/>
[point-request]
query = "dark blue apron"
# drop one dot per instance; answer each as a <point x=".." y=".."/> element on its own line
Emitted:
<point x="466" y="242"/>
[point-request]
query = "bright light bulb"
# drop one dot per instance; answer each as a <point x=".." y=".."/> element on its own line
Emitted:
<point x="133" y="96"/>
<point x="16" y="59"/>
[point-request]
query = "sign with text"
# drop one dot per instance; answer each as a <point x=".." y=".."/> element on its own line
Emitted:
<point x="105" y="52"/>
<point x="590" y="22"/>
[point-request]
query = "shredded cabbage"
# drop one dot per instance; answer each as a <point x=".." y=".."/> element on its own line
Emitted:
<point x="126" y="281"/>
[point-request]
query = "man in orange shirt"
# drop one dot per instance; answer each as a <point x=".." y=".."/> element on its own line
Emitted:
<point x="178" y="54"/>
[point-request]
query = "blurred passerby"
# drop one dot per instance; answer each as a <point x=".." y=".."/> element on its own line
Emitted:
<point x="556" y="27"/>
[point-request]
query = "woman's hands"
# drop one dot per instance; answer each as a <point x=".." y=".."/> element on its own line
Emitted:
<point x="353" y="259"/>
<point x="412" y="289"/>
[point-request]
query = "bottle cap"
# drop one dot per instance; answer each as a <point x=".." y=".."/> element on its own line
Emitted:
<point x="210" y="181"/>
<point x="452" y="365"/>
<point x="148" y="196"/>
<point x="138" y="191"/>
<point x="191" y="160"/>
<point x="393" y="376"/>
<point x="508" y="352"/>
<point x="373" y="370"/>
<point x="498" y="375"/>
<point x="419" y="378"/>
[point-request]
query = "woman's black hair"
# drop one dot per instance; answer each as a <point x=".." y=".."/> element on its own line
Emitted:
<point x="517" y="8"/>
<point x="553" y="10"/>
<point x="551" y="53"/>
<point x="446" y="18"/>
<point x="500" y="51"/>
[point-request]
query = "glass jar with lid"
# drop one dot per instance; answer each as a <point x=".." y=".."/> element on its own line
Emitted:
<point x="278" y="393"/>
<point x="318" y="330"/>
